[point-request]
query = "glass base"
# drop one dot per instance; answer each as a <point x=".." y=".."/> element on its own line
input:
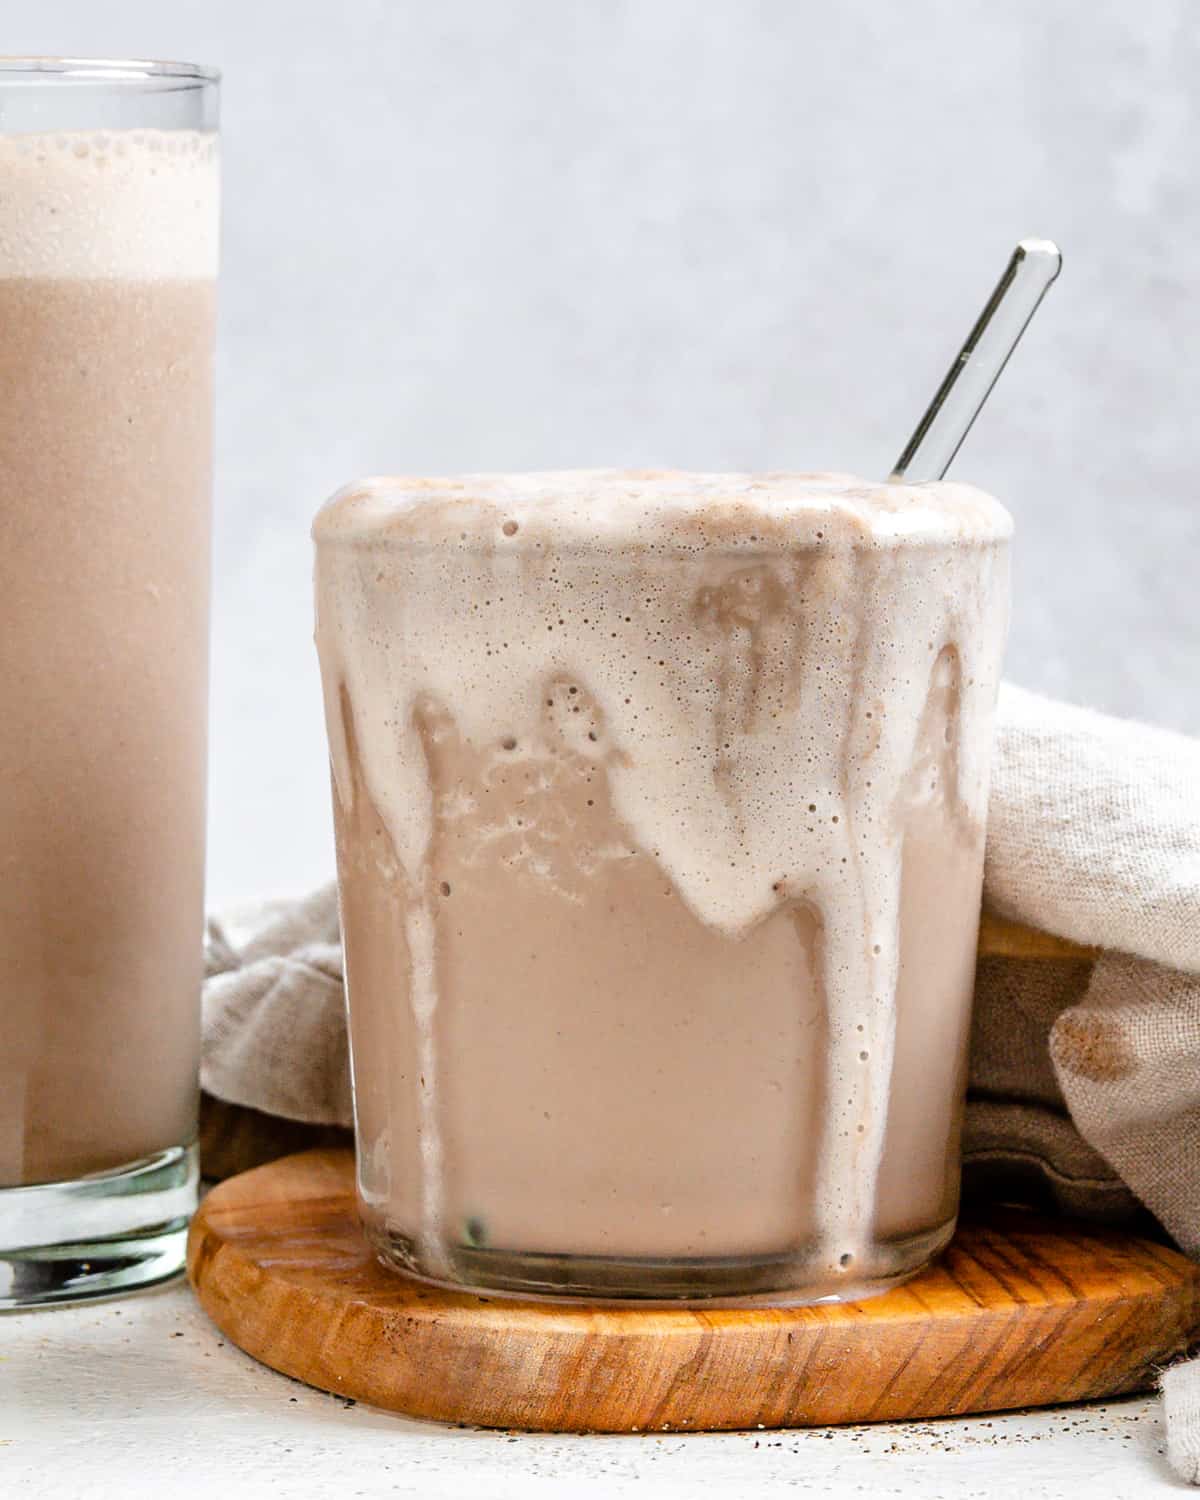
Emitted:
<point x="100" y="1235"/>
<point x="795" y="1279"/>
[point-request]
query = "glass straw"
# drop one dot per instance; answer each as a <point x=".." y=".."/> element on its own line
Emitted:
<point x="969" y="380"/>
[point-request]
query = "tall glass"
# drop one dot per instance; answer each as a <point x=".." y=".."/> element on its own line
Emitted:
<point x="108" y="262"/>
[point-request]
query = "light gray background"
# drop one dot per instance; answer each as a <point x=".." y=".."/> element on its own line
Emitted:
<point x="466" y="234"/>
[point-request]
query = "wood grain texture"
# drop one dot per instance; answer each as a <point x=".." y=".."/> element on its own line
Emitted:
<point x="1000" y="938"/>
<point x="1018" y="1312"/>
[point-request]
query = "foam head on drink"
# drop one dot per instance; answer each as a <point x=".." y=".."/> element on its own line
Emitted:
<point x="660" y="804"/>
<point x="107" y="273"/>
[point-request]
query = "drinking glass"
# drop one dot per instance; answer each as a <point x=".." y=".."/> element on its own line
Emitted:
<point x="108" y="262"/>
<point x="660" y="809"/>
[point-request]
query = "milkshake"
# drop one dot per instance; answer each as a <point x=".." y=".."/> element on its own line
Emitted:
<point x="107" y="277"/>
<point x="660" y="810"/>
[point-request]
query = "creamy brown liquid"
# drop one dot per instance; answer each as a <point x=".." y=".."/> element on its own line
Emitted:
<point x="625" y="824"/>
<point x="105" y="438"/>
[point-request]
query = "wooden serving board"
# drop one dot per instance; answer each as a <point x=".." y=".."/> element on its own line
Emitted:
<point x="1019" y="1311"/>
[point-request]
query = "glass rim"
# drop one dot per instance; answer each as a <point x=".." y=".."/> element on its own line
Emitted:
<point x="115" y="70"/>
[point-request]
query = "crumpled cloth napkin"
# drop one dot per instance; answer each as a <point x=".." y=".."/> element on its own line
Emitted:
<point x="1085" y="1073"/>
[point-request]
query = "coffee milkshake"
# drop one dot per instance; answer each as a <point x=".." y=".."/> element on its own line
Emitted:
<point x="660" y="807"/>
<point x="107" y="267"/>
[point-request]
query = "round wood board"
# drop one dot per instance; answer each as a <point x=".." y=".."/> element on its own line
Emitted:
<point x="1020" y="1311"/>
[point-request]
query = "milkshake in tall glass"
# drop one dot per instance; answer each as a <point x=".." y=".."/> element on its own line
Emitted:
<point x="108" y="259"/>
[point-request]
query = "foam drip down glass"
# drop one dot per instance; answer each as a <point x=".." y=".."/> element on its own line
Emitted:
<point x="660" y="810"/>
<point x="108" y="260"/>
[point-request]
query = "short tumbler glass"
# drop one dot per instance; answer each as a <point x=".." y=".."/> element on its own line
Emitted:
<point x="660" y="810"/>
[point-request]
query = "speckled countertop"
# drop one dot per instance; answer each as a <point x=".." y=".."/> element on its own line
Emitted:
<point x="144" y="1397"/>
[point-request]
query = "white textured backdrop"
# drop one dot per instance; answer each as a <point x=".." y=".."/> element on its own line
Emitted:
<point x="706" y="233"/>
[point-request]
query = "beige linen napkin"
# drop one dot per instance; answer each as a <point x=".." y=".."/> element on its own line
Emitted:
<point x="1085" y="1074"/>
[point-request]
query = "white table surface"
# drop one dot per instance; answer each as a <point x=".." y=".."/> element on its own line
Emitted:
<point x="142" y="1396"/>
